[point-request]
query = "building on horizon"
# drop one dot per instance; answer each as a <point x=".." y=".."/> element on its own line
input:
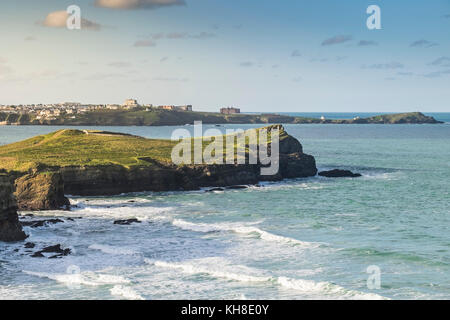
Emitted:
<point x="230" y="110"/>
<point x="130" y="104"/>
<point x="177" y="108"/>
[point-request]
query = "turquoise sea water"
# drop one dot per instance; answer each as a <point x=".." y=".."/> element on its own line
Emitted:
<point x="297" y="239"/>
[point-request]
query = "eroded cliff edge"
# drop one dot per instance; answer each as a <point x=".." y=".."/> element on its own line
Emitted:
<point x="10" y="227"/>
<point x="105" y="163"/>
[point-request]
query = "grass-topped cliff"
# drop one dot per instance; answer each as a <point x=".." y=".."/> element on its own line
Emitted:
<point x="69" y="147"/>
<point x="158" y="117"/>
<point x="80" y="148"/>
<point x="81" y="162"/>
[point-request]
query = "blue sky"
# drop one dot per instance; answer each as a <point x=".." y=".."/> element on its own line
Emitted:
<point x="265" y="55"/>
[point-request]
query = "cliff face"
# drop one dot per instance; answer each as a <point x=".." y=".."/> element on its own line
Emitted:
<point x="10" y="228"/>
<point x="105" y="163"/>
<point x="115" y="179"/>
<point x="40" y="191"/>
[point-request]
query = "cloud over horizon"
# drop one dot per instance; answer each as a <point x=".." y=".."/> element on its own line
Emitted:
<point x="58" y="19"/>
<point x="336" y="40"/>
<point x="144" y="43"/>
<point x="296" y="53"/>
<point x="138" y="4"/>
<point x="364" y="43"/>
<point x="423" y="43"/>
<point x="381" y="66"/>
<point x="442" y="61"/>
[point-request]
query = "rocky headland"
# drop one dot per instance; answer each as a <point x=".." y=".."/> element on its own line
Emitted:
<point x="93" y="163"/>
<point x="10" y="227"/>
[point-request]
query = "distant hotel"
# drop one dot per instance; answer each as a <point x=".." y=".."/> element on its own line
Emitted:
<point x="130" y="104"/>
<point x="177" y="108"/>
<point x="230" y="110"/>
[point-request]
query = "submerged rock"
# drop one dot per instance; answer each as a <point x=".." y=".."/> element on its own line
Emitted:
<point x="40" y="223"/>
<point x="127" y="221"/>
<point x="337" y="173"/>
<point x="215" y="189"/>
<point x="60" y="252"/>
<point x="237" y="187"/>
<point x="10" y="228"/>
<point x="29" y="245"/>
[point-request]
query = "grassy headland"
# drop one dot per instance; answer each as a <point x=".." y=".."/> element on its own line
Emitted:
<point x="66" y="147"/>
<point x="157" y="117"/>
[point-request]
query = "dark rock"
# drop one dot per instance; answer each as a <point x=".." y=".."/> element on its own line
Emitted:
<point x="29" y="245"/>
<point x="60" y="252"/>
<point x="41" y="191"/>
<point x="215" y="189"/>
<point x="40" y="223"/>
<point x="337" y="173"/>
<point x="237" y="187"/>
<point x="127" y="221"/>
<point x="10" y="227"/>
<point x="37" y="255"/>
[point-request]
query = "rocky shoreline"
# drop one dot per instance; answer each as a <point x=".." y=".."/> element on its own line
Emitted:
<point x="44" y="187"/>
<point x="10" y="227"/>
<point x="156" y="117"/>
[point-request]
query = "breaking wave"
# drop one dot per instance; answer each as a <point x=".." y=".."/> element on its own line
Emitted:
<point x="242" y="274"/>
<point x="238" y="228"/>
<point x="125" y="292"/>
<point x="87" y="278"/>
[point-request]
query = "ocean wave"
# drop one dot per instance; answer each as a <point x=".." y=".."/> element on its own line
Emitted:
<point x="124" y="211"/>
<point x="197" y="269"/>
<point x="244" y="274"/>
<point x="238" y="228"/>
<point x="125" y="292"/>
<point x="87" y="278"/>
<point x="325" y="288"/>
<point x="112" y="250"/>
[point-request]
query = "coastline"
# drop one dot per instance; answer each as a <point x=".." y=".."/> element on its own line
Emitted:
<point x="142" y="117"/>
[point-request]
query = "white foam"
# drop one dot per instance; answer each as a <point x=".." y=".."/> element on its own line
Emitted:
<point x="238" y="228"/>
<point x="325" y="289"/>
<point x="196" y="269"/>
<point x="241" y="273"/>
<point x="125" y="292"/>
<point x="112" y="250"/>
<point x="87" y="278"/>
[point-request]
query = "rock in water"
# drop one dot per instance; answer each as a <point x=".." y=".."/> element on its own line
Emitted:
<point x="337" y="173"/>
<point x="126" y="222"/>
<point x="60" y="252"/>
<point x="41" y="191"/>
<point x="10" y="228"/>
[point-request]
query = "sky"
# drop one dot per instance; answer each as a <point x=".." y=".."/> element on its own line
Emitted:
<point x="260" y="56"/>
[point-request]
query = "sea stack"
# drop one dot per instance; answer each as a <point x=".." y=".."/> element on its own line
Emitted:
<point x="10" y="228"/>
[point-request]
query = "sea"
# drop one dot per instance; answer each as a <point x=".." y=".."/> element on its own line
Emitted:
<point x="385" y="235"/>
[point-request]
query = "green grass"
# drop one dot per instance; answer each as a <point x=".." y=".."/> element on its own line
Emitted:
<point x="89" y="148"/>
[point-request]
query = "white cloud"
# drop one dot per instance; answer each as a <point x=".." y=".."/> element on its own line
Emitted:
<point x="58" y="19"/>
<point x="144" y="43"/>
<point x="138" y="4"/>
<point x="336" y="40"/>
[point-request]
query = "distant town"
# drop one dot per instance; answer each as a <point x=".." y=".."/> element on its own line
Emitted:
<point x="53" y="111"/>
